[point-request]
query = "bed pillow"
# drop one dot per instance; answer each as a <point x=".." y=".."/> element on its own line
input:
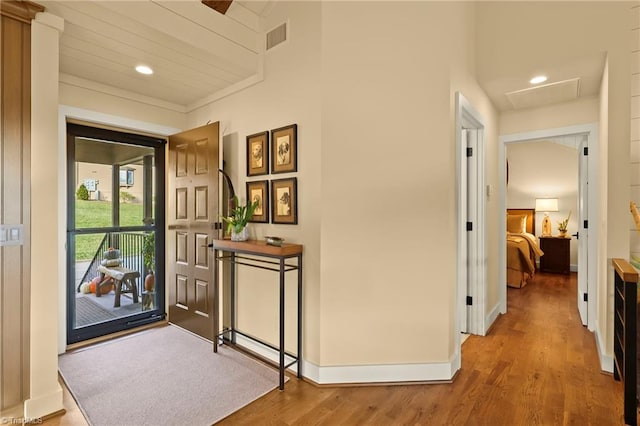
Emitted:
<point x="517" y="223"/>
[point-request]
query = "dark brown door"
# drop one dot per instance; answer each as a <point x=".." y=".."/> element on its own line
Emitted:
<point x="192" y="211"/>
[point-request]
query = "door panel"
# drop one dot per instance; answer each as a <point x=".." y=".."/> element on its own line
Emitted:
<point x="583" y="233"/>
<point x="464" y="311"/>
<point x="193" y="210"/>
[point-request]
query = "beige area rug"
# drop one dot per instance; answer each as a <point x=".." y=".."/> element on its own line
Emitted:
<point x="162" y="376"/>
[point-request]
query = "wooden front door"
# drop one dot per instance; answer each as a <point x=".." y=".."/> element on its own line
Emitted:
<point x="192" y="212"/>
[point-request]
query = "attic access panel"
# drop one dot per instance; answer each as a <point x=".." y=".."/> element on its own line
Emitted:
<point x="552" y="93"/>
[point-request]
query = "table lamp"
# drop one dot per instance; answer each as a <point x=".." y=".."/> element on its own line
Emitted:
<point x="546" y="205"/>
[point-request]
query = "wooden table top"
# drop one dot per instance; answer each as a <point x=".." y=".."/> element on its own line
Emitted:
<point x="258" y="247"/>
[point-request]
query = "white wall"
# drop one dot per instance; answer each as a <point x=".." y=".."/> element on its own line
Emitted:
<point x="545" y="169"/>
<point x="618" y="176"/>
<point x="290" y="93"/>
<point x="580" y="111"/>
<point x="105" y="102"/>
<point x="376" y="179"/>
<point x="605" y="269"/>
<point x="45" y="394"/>
<point x="389" y="149"/>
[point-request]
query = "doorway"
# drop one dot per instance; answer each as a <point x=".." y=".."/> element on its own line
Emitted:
<point x="585" y="141"/>
<point x="471" y="255"/>
<point x="115" y="231"/>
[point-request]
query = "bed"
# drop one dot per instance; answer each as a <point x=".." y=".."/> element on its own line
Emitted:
<point x="522" y="247"/>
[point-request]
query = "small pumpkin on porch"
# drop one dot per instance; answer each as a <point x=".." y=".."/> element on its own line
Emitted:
<point x="104" y="289"/>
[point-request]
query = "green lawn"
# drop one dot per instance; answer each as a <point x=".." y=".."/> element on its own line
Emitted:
<point x="97" y="214"/>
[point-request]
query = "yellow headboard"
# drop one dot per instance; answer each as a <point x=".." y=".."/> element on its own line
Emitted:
<point x="531" y="218"/>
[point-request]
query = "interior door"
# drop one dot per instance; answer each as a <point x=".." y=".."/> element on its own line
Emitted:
<point x="583" y="234"/>
<point x="465" y="246"/>
<point x="472" y="229"/>
<point x="192" y="214"/>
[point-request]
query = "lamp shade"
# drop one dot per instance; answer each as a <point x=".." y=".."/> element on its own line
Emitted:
<point x="546" y="204"/>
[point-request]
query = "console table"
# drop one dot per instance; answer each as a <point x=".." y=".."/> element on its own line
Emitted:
<point x="263" y="256"/>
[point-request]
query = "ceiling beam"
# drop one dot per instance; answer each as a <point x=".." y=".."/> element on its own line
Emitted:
<point x="220" y="6"/>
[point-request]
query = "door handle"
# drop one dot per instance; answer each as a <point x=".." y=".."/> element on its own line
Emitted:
<point x="576" y="235"/>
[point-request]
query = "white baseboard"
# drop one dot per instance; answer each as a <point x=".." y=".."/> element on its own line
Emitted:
<point x="428" y="372"/>
<point x="42" y="405"/>
<point x="363" y="373"/>
<point x="606" y="361"/>
<point x="573" y="268"/>
<point x="491" y="318"/>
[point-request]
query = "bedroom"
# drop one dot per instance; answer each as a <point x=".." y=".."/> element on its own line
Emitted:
<point x="542" y="169"/>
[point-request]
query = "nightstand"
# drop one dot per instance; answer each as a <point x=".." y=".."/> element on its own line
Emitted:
<point x="556" y="255"/>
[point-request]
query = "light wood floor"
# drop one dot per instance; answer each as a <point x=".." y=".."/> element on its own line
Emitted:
<point x="537" y="366"/>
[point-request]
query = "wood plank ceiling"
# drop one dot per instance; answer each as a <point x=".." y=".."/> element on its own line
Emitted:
<point x="194" y="51"/>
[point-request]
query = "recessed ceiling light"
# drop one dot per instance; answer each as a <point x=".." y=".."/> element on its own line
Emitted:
<point x="143" y="69"/>
<point x="538" y="79"/>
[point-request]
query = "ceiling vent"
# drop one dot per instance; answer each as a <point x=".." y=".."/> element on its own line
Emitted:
<point x="561" y="91"/>
<point x="276" y="36"/>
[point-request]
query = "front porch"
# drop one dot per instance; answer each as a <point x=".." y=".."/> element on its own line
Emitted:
<point x="90" y="309"/>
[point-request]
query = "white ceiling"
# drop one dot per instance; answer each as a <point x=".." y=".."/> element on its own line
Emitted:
<point x="517" y="40"/>
<point x="197" y="52"/>
<point x="193" y="50"/>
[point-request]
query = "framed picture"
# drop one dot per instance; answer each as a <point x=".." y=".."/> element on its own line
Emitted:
<point x="284" y="201"/>
<point x="284" y="149"/>
<point x="258" y="154"/>
<point x="259" y="191"/>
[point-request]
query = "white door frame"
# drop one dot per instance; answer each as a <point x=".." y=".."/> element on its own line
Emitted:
<point x="591" y="131"/>
<point x="468" y="118"/>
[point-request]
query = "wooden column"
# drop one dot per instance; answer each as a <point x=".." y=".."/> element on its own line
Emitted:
<point x="15" y="142"/>
<point x="147" y="186"/>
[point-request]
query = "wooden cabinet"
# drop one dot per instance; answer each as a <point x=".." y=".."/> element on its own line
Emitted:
<point x="15" y="183"/>
<point x="625" y="340"/>
<point x="556" y="255"/>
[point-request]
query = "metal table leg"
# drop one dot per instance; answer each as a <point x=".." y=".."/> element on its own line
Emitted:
<point x="299" y="316"/>
<point x="216" y="304"/>
<point x="232" y="297"/>
<point x="281" y="324"/>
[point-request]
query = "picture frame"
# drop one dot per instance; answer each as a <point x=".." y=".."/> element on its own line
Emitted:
<point x="284" y="201"/>
<point x="259" y="189"/>
<point x="284" y="149"/>
<point x="258" y="154"/>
